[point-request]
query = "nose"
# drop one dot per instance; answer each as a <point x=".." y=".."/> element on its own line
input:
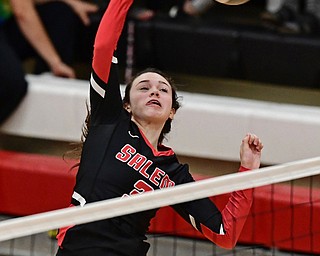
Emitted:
<point x="154" y="92"/>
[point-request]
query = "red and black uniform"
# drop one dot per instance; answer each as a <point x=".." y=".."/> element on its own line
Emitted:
<point x="118" y="161"/>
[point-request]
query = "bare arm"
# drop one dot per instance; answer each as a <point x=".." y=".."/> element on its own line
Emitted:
<point x="32" y="28"/>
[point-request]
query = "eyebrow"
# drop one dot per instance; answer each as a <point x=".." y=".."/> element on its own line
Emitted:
<point x="147" y="81"/>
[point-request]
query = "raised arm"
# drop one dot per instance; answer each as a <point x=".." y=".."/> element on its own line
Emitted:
<point x="235" y="213"/>
<point x="234" y="216"/>
<point x="224" y="228"/>
<point x="107" y="37"/>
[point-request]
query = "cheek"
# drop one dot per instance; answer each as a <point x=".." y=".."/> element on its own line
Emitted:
<point x="136" y="101"/>
<point x="169" y="102"/>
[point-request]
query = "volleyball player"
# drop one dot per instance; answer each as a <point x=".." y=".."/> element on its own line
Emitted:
<point x="123" y="155"/>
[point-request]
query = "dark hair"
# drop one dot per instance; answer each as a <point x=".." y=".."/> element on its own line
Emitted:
<point x="175" y="99"/>
<point x="76" y="152"/>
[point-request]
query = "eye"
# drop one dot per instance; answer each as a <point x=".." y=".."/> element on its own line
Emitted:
<point x="164" y="89"/>
<point x="144" y="88"/>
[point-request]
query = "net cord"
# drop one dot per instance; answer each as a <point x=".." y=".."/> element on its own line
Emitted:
<point x="37" y="223"/>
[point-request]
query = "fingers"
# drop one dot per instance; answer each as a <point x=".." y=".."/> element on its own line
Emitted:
<point x="63" y="70"/>
<point x="250" y="151"/>
<point x="253" y="141"/>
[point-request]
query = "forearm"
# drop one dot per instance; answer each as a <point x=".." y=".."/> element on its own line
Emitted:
<point x="32" y="28"/>
<point x="107" y="36"/>
<point x="234" y="216"/>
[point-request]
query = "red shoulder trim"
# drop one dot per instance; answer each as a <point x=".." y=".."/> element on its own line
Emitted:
<point x="167" y="152"/>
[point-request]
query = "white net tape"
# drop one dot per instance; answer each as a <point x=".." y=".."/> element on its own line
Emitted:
<point x="38" y="223"/>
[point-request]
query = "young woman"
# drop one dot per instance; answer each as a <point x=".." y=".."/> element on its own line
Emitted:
<point x="123" y="155"/>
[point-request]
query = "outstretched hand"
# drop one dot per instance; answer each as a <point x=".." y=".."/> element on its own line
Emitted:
<point x="250" y="151"/>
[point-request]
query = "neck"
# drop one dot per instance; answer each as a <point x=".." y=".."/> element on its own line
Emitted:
<point x="151" y="131"/>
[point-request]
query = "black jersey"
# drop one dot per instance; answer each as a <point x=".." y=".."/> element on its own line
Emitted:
<point x="118" y="161"/>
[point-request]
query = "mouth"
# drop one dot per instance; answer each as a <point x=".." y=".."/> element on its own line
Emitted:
<point x="153" y="102"/>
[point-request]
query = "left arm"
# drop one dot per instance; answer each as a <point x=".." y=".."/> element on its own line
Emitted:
<point x="235" y="213"/>
<point x="225" y="228"/>
<point x="234" y="216"/>
<point x="222" y="228"/>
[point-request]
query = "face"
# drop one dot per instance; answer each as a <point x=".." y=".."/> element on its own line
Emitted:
<point x="151" y="99"/>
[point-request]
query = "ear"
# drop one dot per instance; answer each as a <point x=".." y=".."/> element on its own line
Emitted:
<point x="127" y="107"/>
<point x="172" y="113"/>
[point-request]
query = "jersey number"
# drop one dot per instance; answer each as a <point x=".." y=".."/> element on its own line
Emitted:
<point x="140" y="187"/>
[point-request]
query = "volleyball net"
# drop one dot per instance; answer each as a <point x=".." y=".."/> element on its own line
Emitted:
<point x="284" y="216"/>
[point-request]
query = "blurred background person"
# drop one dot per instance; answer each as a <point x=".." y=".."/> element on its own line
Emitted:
<point x="292" y="16"/>
<point x="40" y="29"/>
